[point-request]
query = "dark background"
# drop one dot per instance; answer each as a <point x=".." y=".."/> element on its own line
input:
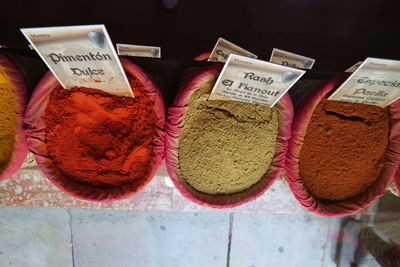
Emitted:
<point x="336" y="33"/>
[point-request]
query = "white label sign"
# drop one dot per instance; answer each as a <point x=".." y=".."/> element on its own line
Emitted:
<point x="81" y="56"/>
<point x="375" y="82"/>
<point x="224" y="48"/>
<point x="292" y="60"/>
<point x="254" y="81"/>
<point x="138" y="50"/>
<point x="354" y="67"/>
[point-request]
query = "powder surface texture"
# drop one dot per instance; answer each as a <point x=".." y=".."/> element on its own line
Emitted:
<point x="101" y="139"/>
<point x="8" y="120"/>
<point x="225" y="146"/>
<point x="344" y="149"/>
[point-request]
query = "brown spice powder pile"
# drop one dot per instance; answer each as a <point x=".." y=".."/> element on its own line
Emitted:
<point x="226" y="146"/>
<point x="344" y="149"/>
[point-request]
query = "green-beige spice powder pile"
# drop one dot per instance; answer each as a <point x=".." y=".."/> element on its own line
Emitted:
<point x="225" y="146"/>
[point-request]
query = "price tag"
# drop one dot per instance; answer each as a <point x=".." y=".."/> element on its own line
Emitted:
<point x="81" y="56"/>
<point x="354" y="67"/>
<point x="224" y="48"/>
<point x="292" y="60"/>
<point x="138" y="50"/>
<point x="375" y="82"/>
<point x="254" y="81"/>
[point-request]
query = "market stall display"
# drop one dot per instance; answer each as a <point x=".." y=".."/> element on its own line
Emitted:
<point x="94" y="145"/>
<point x="342" y="155"/>
<point x="224" y="153"/>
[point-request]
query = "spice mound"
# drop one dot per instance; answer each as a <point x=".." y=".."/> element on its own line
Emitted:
<point x="344" y="149"/>
<point x="100" y="139"/>
<point x="225" y="146"/>
<point x="8" y="122"/>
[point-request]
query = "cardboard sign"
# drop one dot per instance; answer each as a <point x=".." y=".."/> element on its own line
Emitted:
<point x="138" y="50"/>
<point x="254" y="81"/>
<point x="375" y="82"/>
<point x="224" y="48"/>
<point x="81" y="56"/>
<point x="292" y="60"/>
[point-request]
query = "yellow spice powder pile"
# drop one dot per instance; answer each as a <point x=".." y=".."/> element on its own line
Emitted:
<point x="225" y="146"/>
<point x="7" y="121"/>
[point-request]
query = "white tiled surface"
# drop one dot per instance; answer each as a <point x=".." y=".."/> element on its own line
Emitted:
<point x="280" y="240"/>
<point x="330" y="245"/>
<point x="91" y="237"/>
<point x="42" y="237"/>
<point x="35" y="237"/>
<point x="123" y="238"/>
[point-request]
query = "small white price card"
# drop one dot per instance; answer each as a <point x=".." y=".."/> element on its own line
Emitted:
<point x="224" y="48"/>
<point x="81" y="56"/>
<point x="138" y="50"/>
<point x="354" y="67"/>
<point x="254" y="81"/>
<point x="292" y="60"/>
<point x="375" y="82"/>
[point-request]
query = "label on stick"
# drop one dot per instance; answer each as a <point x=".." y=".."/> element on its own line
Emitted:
<point x="292" y="60"/>
<point x="254" y="81"/>
<point x="224" y="48"/>
<point x="375" y="82"/>
<point x="81" y="56"/>
<point x="138" y="50"/>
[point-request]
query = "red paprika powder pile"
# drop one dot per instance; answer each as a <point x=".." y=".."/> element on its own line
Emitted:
<point x="100" y="139"/>
<point x="344" y="148"/>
